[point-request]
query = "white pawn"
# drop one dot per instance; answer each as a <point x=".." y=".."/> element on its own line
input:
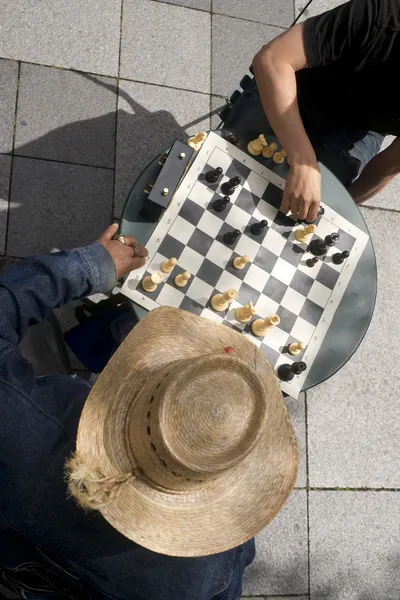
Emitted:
<point x="243" y="314"/>
<point x="182" y="279"/>
<point x="269" y="151"/>
<point x="197" y="140"/>
<point x="150" y="283"/>
<point x="255" y="147"/>
<point x="302" y="234"/>
<point x="168" y="265"/>
<point x="296" y="348"/>
<point x="220" y="302"/>
<point x="240" y="262"/>
<point x="279" y="157"/>
<point x="261" y="327"/>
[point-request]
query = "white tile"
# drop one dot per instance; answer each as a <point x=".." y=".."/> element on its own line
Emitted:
<point x="253" y="339"/>
<point x="284" y="359"/>
<point x="181" y="230"/>
<point x="276" y="339"/>
<point x="283" y="271"/>
<point x="201" y="194"/>
<point x="227" y="281"/>
<point x="247" y="246"/>
<point x="219" y="254"/>
<point x="212" y="315"/>
<point x="319" y="294"/>
<point x="274" y="242"/>
<point x="231" y="315"/>
<point x="265" y="211"/>
<point x="266" y="307"/>
<point x="199" y="291"/>
<point x="237" y="218"/>
<point x="190" y="260"/>
<point x="325" y="228"/>
<point x="310" y="271"/>
<point x="293" y="301"/>
<point x="155" y="264"/>
<point x="219" y="158"/>
<point x="210" y="224"/>
<point x="256" y="277"/>
<point x="170" y="296"/>
<point x="302" y="330"/>
<point x="256" y="184"/>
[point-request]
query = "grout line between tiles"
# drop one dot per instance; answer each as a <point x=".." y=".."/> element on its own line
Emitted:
<point x="355" y="489"/>
<point x="12" y="157"/>
<point x="116" y="110"/>
<point x="62" y="162"/>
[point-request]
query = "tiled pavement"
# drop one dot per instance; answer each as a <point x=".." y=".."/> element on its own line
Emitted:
<point x="89" y="92"/>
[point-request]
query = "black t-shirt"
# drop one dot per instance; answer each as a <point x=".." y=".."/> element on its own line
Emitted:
<point x="353" y="79"/>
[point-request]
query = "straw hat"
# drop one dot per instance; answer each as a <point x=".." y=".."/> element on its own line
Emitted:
<point x="184" y="444"/>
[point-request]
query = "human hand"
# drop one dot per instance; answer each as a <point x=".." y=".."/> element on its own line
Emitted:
<point x="127" y="256"/>
<point x="302" y="195"/>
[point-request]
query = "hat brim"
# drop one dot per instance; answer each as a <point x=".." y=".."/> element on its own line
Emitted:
<point x="241" y="502"/>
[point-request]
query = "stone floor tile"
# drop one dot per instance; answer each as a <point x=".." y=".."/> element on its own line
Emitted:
<point x="281" y="563"/>
<point x="354" y="545"/>
<point x="389" y="196"/>
<point x="199" y="4"/>
<point x="66" y="116"/>
<point x="8" y="92"/>
<point x="354" y="417"/>
<point x="316" y="7"/>
<point x="166" y="44"/>
<point x="150" y="119"/>
<point x="296" y="410"/>
<point x="56" y="205"/>
<point x="74" y="34"/>
<point x="235" y="42"/>
<point x="5" y="163"/>
<point x="272" y="12"/>
<point x="217" y="104"/>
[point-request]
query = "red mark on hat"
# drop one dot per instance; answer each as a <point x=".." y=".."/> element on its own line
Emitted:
<point x="229" y="350"/>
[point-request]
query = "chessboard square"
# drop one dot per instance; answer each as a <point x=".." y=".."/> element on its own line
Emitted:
<point x="240" y="273"/>
<point x="247" y="247"/>
<point x="283" y="271"/>
<point x="171" y="247"/>
<point x="319" y="294"/>
<point x="325" y="228"/>
<point x="191" y="306"/>
<point x="200" y="291"/>
<point x="256" y="277"/>
<point x="247" y="201"/>
<point x="247" y="294"/>
<point x="256" y="237"/>
<point x="170" y="296"/>
<point x="237" y="218"/>
<point x="271" y="355"/>
<point x="200" y="241"/>
<point x="201" y="194"/>
<point x="293" y="301"/>
<point x="238" y="169"/>
<point x="209" y="223"/>
<point x="276" y="338"/>
<point x="274" y="242"/>
<point x="266" y="307"/>
<point x="203" y="178"/>
<point x="181" y="230"/>
<point x="293" y="340"/>
<point x="288" y="319"/>
<point x="301" y="282"/>
<point x="219" y="254"/>
<point x="292" y="253"/>
<point x="265" y="211"/>
<point x="256" y="184"/>
<point x="303" y="330"/>
<point x="275" y="289"/>
<point x="219" y="158"/>
<point x="257" y="341"/>
<point x="207" y="313"/>
<point x="346" y="241"/>
<point x="210" y="273"/>
<point x="139" y="287"/>
<point x="225" y="228"/>
<point x="273" y="195"/>
<point x="191" y="212"/>
<point x="228" y="281"/>
<point x="231" y="316"/>
<point x="327" y="276"/>
<point x="190" y="260"/>
<point x="310" y="312"/>
<point x="155" y="265"/>
<point x="220" y="215"/>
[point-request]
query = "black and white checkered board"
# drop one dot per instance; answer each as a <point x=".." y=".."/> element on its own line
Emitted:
<point x="276" y="280"/>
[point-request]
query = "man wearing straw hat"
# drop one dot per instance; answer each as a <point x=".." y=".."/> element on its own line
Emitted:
<point x="152" y="485"/>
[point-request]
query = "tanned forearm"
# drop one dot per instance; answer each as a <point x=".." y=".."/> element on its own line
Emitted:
<point x="380" y="171"/>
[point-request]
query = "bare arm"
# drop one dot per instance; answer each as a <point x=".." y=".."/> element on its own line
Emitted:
<point x="377" y="174"/>
<point x="275" y="68"/>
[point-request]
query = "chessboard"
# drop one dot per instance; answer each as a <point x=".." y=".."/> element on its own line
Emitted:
<point x="276" y="278"/>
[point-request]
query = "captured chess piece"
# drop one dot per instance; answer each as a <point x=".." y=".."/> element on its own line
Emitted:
<point x="302" y="234"/>
<point x="150" y="283"/>
<point x="197" y="140"/>
<point x="296" y="348"/>
<point x="182" y="279"/>
<point x="231" y="138"/>
<point x="168" y="265"/>
<point x="221" y="203"/>
<point x="221" y="302"/>
<point x="243" y="314"/>
<point x="279" y="157"/>
<point x="228" y="188"/>
<point x="311" y="262"/>
<point x="260" y="327"/>
<point x="213" y="175"/>
<point x="231" y="236"/>
<point x="240" y="262"/>
<point x="268" y="152"/>
<point x="286" y="372"/>
<point x="258" y="228"/>
<point x="340" y="257"/>
<point x="255" y="147"/>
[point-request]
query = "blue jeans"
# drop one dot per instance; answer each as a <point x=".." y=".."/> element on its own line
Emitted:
<point x="345" y="153"/>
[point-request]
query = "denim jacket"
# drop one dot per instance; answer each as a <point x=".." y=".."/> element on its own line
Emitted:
<point x="38" y="423"/>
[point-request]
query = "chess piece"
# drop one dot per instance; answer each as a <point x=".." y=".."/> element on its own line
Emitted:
<point x="286" y="372"/>
<point x="182" y="279"/>
<point x="332" y="239"/>
<point x="243" y="314"/>
<point x="261" y="327"/>
<point x="220" y="302"/>
<point x="258" y="228"/>
<point x="318" y="247"/>
<point x="231" y="138"/>
<point x="150" y="283"/>
<point x="321" y="211"/>
<point x="228" y="188"/>
<point x="268" y="152"/>
<point x="256" y="146"/>
<point x="279" y="157"/>
<point x="231" y="236"/>
<point x="340" y="257"/>
<point x="213" y="175"/>
<point x="311" y="262"/>
<point x="240" y="262"/>
<point x="168" y="265"/>
<point x="302" y="234"/>
<point x="221" y="203"/>
<point x="197" y="140"/>
<point x="296" y="348"/>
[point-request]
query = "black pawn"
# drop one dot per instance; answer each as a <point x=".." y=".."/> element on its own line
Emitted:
<point x="231" y="236"/>
<point x="232" y="138"/>
<point x="213" y="175"/>
<point x="230" y="186"/>
<point x="318" y="247"/>
<point x="331" y="239"/>
<point x="287" y="371"/>
<point x="221" y="203"/>
<point x="258" y="228"/>
<point x="340" y="257"/>
<point x="311" y="262"/>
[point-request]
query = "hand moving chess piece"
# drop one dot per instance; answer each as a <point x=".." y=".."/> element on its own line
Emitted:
<point x="302" y="234"/>
<point x="268" y="152"/>
<point x="279" y="157"/>
<point x="296" y="348"/>
<point x="240" y="262"/>
<point x="220" y="302"/>
<point x="168" y="265"/>
<point x="261" y="327"/>
<point x="197" y="140"/>
<point x="150" y="283"/>
<point x="244" y="313"/>
<point x="182" y="279"/>
<point x="256" y="146"/>
<point x="286" y="372"/>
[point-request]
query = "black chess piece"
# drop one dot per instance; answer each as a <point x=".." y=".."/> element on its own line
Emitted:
<point x="258" y="228"/>
<point x="213" y="175"/>
<point x="311" y="262"/>
<point x="331" y="239"/>
<point x="321" y="211"/>
<point x="230" y="186"/>
<point x="287" y="371"/>
<point x="231" y="138"/>
<point x="318" y="247"/>
<point x="221" y="203"/>
<point x="340" y="257"/>
<point x="231" y="236"/>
